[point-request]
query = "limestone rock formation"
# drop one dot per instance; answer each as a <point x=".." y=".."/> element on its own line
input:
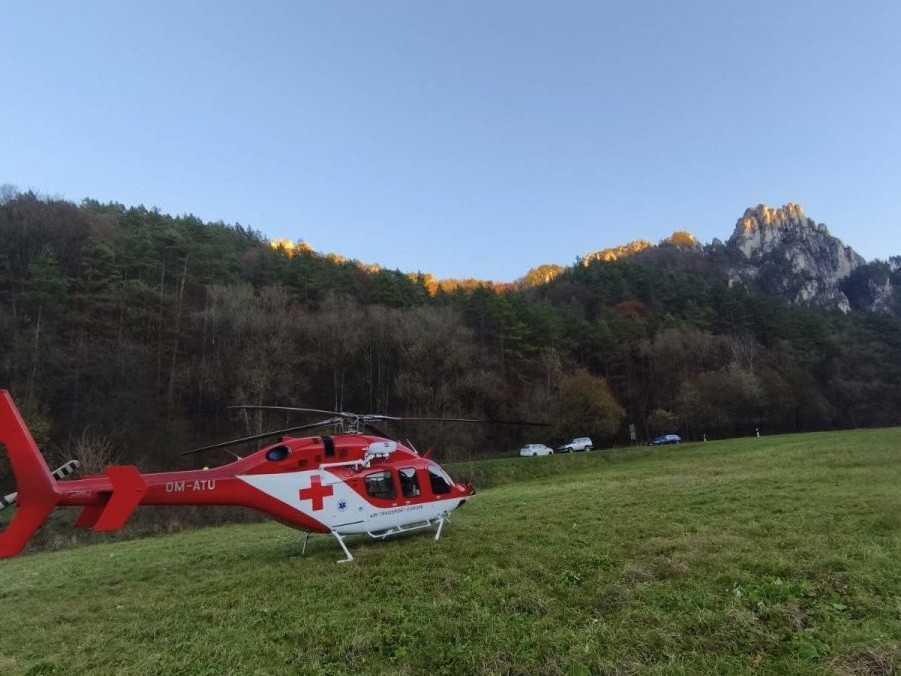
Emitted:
<point x="617" y="253"/>
<point x="875" y="287"/>
<point x="783" y="252"/>
<point x="682" y="239"/>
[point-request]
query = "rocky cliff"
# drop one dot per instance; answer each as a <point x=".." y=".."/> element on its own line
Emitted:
<point x="783" y="252"/>
<point x="876" y="287"/>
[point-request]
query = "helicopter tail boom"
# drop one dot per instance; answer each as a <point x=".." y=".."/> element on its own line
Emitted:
<point x="38" y="495"/>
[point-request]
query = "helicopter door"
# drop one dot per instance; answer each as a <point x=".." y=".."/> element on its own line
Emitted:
<point x="414" y="486"/>
<point x="409" y="484"/>
<point x="380" y="487"/>
<point x="382" y="493"/>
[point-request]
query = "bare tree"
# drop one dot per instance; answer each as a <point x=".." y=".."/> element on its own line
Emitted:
<point x="94" y="451"/>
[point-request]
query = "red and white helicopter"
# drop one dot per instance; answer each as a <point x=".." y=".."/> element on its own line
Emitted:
<point x="346" y="484"/>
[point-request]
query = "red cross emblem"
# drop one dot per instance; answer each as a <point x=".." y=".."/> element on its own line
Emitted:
<point x="316" y="492"/>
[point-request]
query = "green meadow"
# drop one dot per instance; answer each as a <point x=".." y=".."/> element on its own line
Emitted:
<point x="778" y="555"/>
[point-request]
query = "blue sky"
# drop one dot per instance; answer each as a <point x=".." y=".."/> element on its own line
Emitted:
<point x="462" y="138"/>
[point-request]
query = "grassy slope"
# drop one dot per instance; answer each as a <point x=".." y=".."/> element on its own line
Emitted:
<point x="782" y="554"/>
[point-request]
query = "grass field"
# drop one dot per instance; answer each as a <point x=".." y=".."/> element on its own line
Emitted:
<point x="779" y="555"/>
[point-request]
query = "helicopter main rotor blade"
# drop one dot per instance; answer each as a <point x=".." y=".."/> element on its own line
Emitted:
<point x="389" y="418"/>
<point x="264" y="435"/>
<point x="378" y="430"/>
<point x="367" y="417"/>
<point x="291" y="409"/>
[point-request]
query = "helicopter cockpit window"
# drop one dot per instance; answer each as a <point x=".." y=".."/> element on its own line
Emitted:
<point x="379" y="485"/>
<point x="277" y="454"/>
<point x="409" y="483"/>
<point x="441" y="482"/>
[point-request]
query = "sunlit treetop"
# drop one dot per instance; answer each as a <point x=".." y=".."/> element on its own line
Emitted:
<point x="291" y="248"/>
<point x="681" y="238"/>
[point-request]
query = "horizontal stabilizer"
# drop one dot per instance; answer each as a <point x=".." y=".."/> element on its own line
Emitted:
<point x="89" y="515"/>
<point x="129" y="489"/>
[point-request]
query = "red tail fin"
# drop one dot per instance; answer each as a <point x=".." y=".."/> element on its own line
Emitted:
<point x="37" y="489"/>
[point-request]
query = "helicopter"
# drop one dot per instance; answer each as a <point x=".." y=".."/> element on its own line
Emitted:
<point x="357" y="481"/>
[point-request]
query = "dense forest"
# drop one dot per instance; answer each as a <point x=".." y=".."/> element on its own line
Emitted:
<point x="125" y="333"/>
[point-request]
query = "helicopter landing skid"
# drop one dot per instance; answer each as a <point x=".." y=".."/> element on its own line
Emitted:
<point x="381" y="535"/>
<point x="340" y="539"/>
<point x="398" y="530"/>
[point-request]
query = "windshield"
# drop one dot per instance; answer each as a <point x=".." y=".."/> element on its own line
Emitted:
<point x="440" y="480"/>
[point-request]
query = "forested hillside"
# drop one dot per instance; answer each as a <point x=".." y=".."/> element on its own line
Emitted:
<point x="130" y="331"/>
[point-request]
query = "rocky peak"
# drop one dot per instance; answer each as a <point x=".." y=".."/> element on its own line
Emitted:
<point x="681" y="239"/>
<point x="543" y="274"/>
<point x="785" y="252"/>
<point x="764" y="228"/>
<point x="617" y="253"/>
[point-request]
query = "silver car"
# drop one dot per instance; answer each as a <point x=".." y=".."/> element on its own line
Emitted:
<point x="577" y="444"/>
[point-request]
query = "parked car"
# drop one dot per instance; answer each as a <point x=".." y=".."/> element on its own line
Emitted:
<point x="577" y="444"/>
<point x="534" y="450"/>
<point x="666" y="439"/>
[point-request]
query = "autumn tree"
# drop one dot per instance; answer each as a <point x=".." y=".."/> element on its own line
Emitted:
<point x="587" y="407"/>
<point x="723" y="402"/>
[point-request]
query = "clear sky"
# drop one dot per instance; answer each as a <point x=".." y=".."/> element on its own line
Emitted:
<point x="464" y="138"/>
